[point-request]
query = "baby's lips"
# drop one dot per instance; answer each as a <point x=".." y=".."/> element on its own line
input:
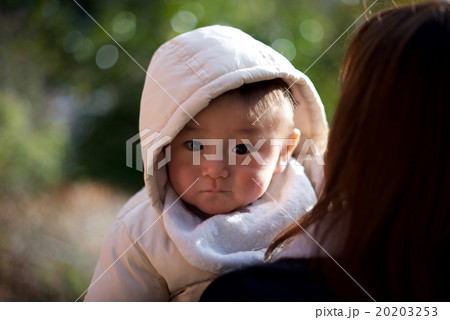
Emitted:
<point x="215" y="191"/>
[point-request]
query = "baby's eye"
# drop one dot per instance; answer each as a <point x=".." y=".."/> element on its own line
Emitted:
<point x="241" y="149"/>
<point x="194" y="145"/>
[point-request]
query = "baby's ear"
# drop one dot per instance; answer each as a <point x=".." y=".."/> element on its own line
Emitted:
<point x="286" y="151"/>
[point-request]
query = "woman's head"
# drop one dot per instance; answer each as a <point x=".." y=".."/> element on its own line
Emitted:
<point x="387" y="165"/>
<point x="394" y="108"/>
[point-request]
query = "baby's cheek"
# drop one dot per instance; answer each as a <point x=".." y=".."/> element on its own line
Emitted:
<point x="257" y="184"/>
<point x="189" y="198"/>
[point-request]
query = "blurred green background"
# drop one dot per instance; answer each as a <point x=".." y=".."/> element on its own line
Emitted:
<point x="69" y="99"/>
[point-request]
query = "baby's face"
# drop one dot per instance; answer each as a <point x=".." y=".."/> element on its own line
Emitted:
<point x="221" y="175"/>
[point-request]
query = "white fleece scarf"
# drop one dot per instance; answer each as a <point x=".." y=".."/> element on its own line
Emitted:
<point x="234" y="240"/>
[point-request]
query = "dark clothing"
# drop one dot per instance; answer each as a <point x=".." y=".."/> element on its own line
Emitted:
<point x="284" y="280"/>
<point x="303" y="280"/>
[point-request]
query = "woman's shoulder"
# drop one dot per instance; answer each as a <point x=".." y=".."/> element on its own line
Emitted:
<point x="283" y="280"/>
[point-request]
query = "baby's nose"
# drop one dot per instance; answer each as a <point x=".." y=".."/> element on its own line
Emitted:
<point x="215" y="169"/>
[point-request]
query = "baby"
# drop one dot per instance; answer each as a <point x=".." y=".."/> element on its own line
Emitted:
<point x="218" y="128"/>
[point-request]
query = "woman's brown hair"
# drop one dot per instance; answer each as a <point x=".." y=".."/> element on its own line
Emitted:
<point x="387" y="172"/>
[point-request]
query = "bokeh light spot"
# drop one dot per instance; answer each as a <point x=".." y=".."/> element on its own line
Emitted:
<point x="183" y="21"/>
<point x="312" y="30"/>
<point x="285" y="47"/>
<point x="124" y="26"/>
<point x="107" y="56"/>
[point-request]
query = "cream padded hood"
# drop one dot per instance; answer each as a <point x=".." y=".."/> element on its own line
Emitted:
<point x="187" y="72"/>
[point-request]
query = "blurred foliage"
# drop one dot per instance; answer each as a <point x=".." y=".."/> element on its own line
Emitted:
<point x="70" y="96"/>
<point x="49" y="244"/>
<point x="31" y="152"/>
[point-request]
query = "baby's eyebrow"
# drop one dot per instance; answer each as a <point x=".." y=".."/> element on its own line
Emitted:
<point x="191" y="128"/>
<point x="250" y="130"/>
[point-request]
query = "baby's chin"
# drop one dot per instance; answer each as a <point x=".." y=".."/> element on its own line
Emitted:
<point x="206" y="212"/>
<point x="214" y="211"/>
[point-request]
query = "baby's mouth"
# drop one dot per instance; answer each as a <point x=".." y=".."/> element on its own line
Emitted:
<point x="215" y="191"/>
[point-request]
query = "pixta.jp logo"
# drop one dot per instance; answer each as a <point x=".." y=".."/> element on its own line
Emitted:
<point x="148" y="142"/>
<point x="151" y="143"/>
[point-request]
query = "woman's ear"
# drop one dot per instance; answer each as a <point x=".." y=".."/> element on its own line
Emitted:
<point x="286" y="150"/>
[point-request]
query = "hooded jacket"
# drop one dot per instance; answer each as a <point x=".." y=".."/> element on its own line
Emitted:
<point x="156" y="250"/>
